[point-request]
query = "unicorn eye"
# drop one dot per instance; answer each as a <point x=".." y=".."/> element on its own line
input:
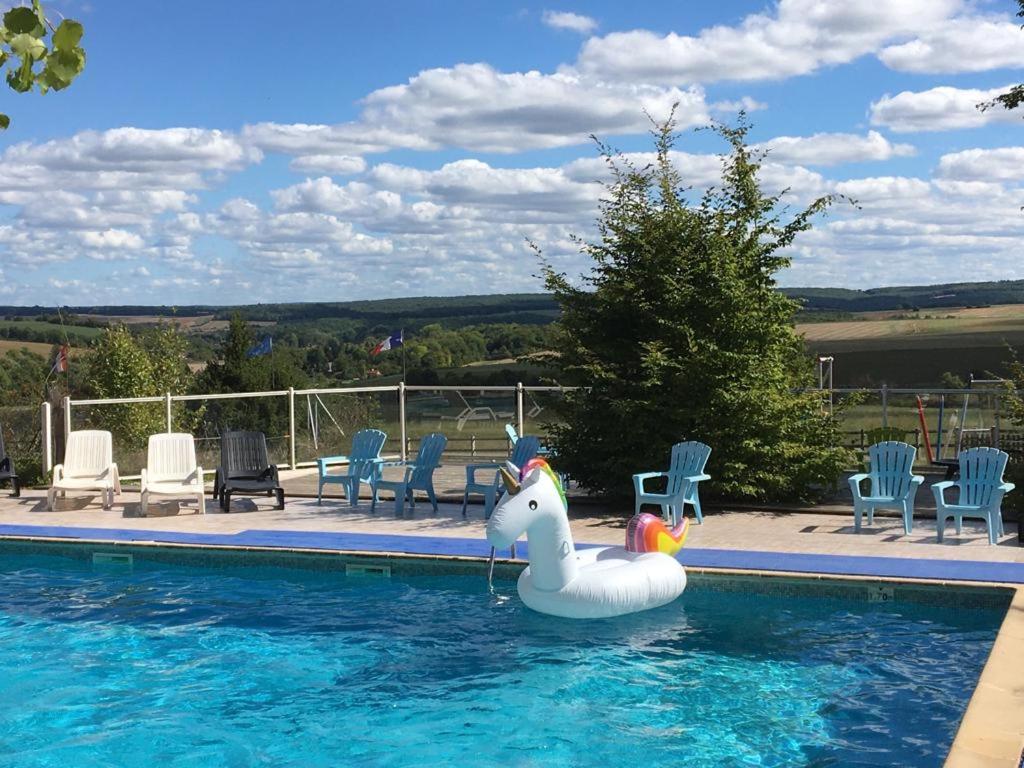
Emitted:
<point x="533" y="504"/>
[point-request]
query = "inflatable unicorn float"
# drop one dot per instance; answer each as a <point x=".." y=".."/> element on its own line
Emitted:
<point x="594" y="582"/>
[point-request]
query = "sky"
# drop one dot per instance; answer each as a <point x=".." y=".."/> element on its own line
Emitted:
<point x="244" y="151"/>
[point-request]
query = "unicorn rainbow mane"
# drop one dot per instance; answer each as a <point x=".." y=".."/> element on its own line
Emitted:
<point x="544" y="467"/>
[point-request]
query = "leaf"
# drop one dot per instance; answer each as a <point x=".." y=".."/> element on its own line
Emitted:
<point x="21" y="79"/>
<point x="24" y="21"/>
<point x="68" y="35"/>
<point x="61" y="68"/>
<point x="5" y="121"/>
<point x="25" y="46"/>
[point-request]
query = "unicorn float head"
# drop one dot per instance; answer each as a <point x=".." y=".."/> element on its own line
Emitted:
<point x="535" y="503"/>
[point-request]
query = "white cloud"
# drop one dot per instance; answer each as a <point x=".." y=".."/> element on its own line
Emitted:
<point x="833" y="148"/>
<point x="942" y="108"/>
<point x="796" y="38"/>
<point x="116" y="239"/>
<point x="967" y="44"/>
<point x="338" y="165"/>
<point x="571" y="21"/>
<point x="137" y="151"/>
<point x="475" y="107"/>
<point x="984" y="165"/>
<point x="745" y="103"/>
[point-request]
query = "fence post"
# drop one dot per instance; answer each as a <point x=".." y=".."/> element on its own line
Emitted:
<point x="401" y="418"/>
<point x="67" y="418"/>
<point x="291" y="427"/>
<point x="885" y="405"/>
<point x="167" y="405"/>
<point x="519" y="408"/>
<point x="46" y="415"/>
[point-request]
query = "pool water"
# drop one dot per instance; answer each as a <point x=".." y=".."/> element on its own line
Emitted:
<point x="181" y="666"/>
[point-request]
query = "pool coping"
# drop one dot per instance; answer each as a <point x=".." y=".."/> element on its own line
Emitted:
<point x="991" y="732"/>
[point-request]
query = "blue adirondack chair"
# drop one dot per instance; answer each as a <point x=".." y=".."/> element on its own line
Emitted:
<point x="685" y="472"/>
<point x="363" y="465"/>
<point x="981" y="488"/>
<point x="419" y="474"/>
<point x="893" y="483"/>
<point x="526" y="448"/>
<point x="542" y="452"/>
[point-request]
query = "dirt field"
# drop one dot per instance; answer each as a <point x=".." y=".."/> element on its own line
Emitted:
<point x="1008" y="318"/>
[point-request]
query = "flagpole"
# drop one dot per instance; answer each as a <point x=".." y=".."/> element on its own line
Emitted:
<point x="402" y="337"/>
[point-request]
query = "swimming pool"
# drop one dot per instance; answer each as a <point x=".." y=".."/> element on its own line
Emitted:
<point x="173" y="665"/>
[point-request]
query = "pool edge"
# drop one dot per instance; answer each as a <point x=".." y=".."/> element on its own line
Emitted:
<point x="991" y="732"/>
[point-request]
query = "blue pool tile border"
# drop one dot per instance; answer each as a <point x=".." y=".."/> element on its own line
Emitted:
<point x="786" y="562"/>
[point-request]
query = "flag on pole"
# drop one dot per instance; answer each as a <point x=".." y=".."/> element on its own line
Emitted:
<point x="60" y="363"/>
<point x="392" y="341"/>
<point x="265" y="347"/>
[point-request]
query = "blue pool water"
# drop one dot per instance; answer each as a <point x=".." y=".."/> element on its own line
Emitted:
<point x="180" y="666"/>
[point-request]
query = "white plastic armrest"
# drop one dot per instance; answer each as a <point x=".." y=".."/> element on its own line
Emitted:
<point x="142" y="479"/>
<point x="58" y="472"/>
<point x="115" y="478"/>
<point x="199" y="476"/>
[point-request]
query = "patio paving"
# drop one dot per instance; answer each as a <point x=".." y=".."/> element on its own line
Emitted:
<point x="738" y="531"/>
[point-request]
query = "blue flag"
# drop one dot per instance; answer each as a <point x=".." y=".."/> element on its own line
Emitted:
<point x="265" y="347"/>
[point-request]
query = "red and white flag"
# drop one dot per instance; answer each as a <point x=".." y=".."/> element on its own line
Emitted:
<point x="60" y="364"/>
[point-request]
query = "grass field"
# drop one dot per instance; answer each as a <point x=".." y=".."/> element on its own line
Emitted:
<point x="904" y="349"/>
<point x="76" y="333"/>
<point x="7" y="345"/>
<point x="1005" y="319"/>
<point x="186" y="323"/>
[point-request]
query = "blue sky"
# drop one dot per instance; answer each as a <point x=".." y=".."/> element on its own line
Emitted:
<point x="246" y="151"/>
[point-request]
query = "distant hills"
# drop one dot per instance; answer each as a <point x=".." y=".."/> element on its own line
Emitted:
<point x="450" y="311"/>
<point x="910" y="296"/>
<point x="538" y="308"/>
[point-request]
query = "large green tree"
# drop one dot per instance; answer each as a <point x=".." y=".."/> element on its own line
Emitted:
<point x="30" y="61"/>
<point x="122" y="365"/>
<point x="679" y="333"/>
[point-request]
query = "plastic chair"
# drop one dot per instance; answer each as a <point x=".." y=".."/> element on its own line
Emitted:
<point x="88" y="466"/>
<point x="981" y="487"/>
<point x="525" y="448"/>
<point x="686" y="470"/>
<point x="245" y="468"/>
<point x="419" y="474"/>
<point x="363" y="465"/>
<point x="893" y="483"/>
<point x="171" y="469"/>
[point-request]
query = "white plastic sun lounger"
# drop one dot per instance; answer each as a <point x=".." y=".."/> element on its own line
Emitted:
<point x="171" y="469"/>
<point x="88" y="466"/>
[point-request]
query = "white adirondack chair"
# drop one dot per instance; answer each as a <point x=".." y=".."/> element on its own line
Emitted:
<point x="88" y="466"/>
<point x="171" y="469"/>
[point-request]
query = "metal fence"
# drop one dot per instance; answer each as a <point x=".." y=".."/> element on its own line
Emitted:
<point x="303" y="424"/>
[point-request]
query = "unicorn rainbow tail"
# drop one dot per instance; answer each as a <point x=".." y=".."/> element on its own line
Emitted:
<point x="648" y="533"/>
